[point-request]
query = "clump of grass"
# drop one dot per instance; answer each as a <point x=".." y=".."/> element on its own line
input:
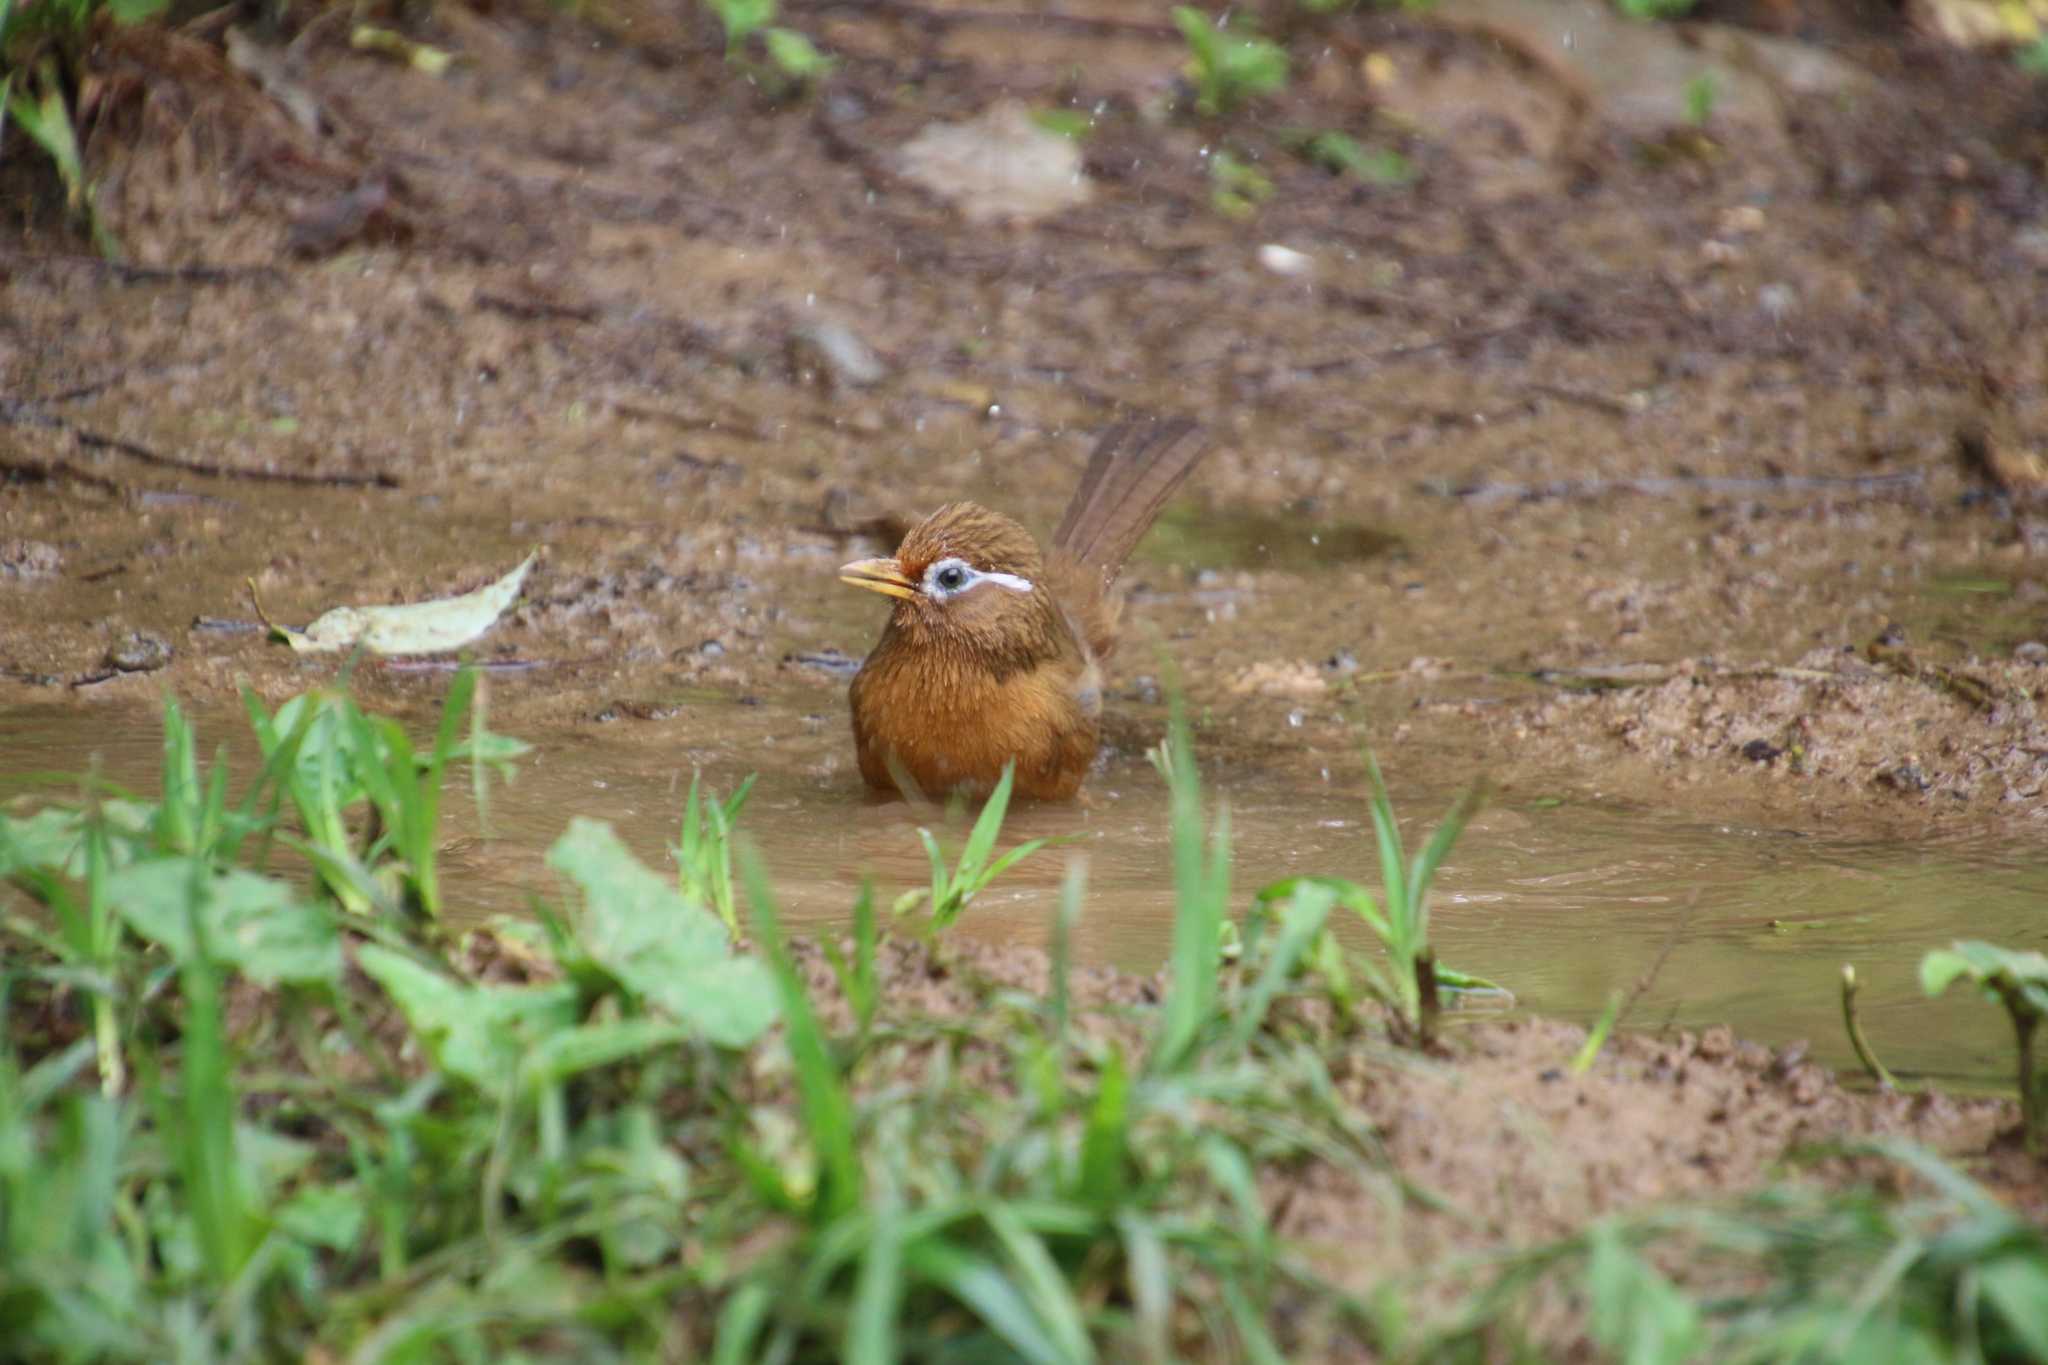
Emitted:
<point x="1410" y="984"/>
<point x="1236" y="187"/>
<point x="331" y="759"/>
<point x="1344" y="155"/>
<point x="617" y="1134"/>
<point x="703" y="853"/>
<point x="793" y="60"/>
<point x="42" y="44"/>
<point x="1796" y="1272"/>
<point x="954" y="888"/>
<point x="1229" y="64"/>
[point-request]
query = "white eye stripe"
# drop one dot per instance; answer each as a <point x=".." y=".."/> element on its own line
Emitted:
<point x="965" y="577"/>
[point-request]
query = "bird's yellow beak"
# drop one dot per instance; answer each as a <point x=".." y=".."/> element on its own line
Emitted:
<point x="878" y="575"/>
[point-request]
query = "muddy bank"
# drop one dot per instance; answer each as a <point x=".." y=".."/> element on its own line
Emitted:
<point x="1596" y="390"/>
<point x="1490" y="1140"/>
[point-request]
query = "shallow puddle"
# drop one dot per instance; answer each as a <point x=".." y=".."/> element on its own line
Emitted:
<point x="1562" y="901"/>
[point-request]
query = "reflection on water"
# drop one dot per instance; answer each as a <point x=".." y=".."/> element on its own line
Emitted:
<point x="1562" y="903"/>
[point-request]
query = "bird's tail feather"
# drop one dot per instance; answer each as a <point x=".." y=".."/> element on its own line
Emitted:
<point x="1136" y="466"/>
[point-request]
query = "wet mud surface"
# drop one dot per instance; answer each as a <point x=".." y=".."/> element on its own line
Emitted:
<point x="1681" y="471"/>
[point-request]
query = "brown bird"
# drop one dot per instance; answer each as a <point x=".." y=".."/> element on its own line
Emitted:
<point x="994" y="651"/>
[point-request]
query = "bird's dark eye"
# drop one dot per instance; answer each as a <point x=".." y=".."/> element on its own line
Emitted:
<point x="952" y="578"/>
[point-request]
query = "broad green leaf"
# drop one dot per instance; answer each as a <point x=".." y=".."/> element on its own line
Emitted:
<point x="330" y="1216"/>
<point x="2023" y="975"/>
<point x="742" y="18"/>
<point x="2017" y="1286"/>
<point x="472" y="1032"/>
<point x="1637" y="1313"/>
<point x="794" y="54"/>
<point x="255" y="924"/>
<point x="558" y="1056"/>
<point x="54" y="837"/>
<point x="641" y="931"/>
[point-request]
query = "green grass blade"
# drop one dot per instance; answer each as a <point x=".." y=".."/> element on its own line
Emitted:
<point x="1431" y="857"/>
<point x="941" y="875"/>
<point x="1257" y="1343"/>
<point x="981" y="840"/>
<point x="178" y="827"/>
<point x="1044" y="1284"/>
<point x="1064" y="919"/>
<point x="1393" y="877"/>
<point x="1304" y="919"/>
<point x="827" y="1108"/>
<point x="1106" y="1141"/>
<point x="1151" y="1285"/>
<point x="1010" y="860"/>
<point x="1197" y="908"/>
<point x="980" y="1286"/>
<point x="878" y="1293"/>
<point x="740" y="1323"/>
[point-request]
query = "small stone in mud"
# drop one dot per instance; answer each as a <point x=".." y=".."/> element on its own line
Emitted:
<point x="1761" y="751"/>
<point x="636" y="710"/>
<point x="1716" y="1042"/>
<point x="2031" y="652"/>
<point x="1144" y="690"/>
<point x="1789" y="1058"/>
<point x="711" y="649"/>
<point x="1279" y="678"/>
<point x="1342" y="662"/>
<point x="1908" y="777"/>
<point x="836" y="662"/>
<point x="138" y="652"/>
<point x="832" y="353"/>
<point x="29" y="559"/>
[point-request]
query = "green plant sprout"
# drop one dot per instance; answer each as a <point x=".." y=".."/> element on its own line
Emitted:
<point x="791" y="55"/>
<point x="330" y="757"/>
<point x="1654" y="9"/>
<point x="1340" y="153"/>
<point x="1702" y="93"/>
<point x="1237" y="187"/>
<point x="1228" y="65"/>
<point x="42" y="44"/>
<point x="1597" y="1036"/>
<point x="954" y="888"/>
<point x="703" y="853"/>
<point x="2018" y="981"/>
<point x="1410" y="983"/>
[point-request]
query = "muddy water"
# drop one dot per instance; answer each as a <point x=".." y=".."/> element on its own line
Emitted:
<point x="1563" y="900"/>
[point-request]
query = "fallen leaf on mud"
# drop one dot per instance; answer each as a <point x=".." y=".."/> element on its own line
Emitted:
<point x="413" y="628"/>
<point x="1980" y="23"/>
<point x="1293" y="678"/>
